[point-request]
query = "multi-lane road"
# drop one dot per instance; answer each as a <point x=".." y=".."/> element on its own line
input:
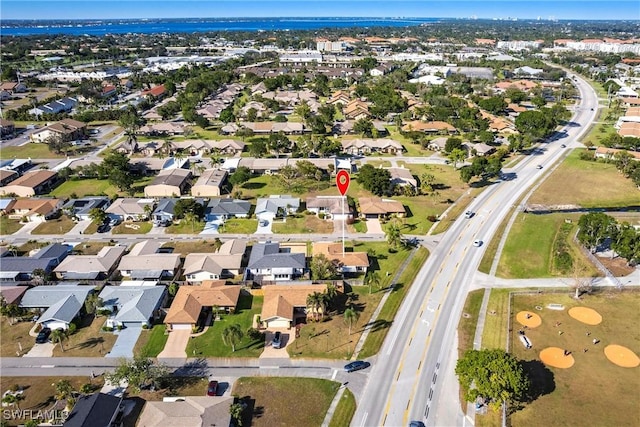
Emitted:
<point x="412" y="377"/>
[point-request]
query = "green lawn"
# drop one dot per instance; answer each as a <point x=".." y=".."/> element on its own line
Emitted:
<point x="60" y="225"/>
<point x="607" y="390"/>
<point x="285" y="401"/>
<point x="142" y="227"/>
<point x="345" y="410"/>
<point x="185" y="227"/>
<point x="31" y="150"/>
<point x="529" y="250"/>
<point x="151" y="341"/>
<point x="9" y="226"/>
<point x="358" y="226"/>
<point x="85" y="187"/>
<point x="239" y="226"/>
<point x="469" y="320"/>
<point x="304" y="224"/>
<point x="210" y="343"/>
<point x="387" y="314"/>
<point x="495" y="324"/>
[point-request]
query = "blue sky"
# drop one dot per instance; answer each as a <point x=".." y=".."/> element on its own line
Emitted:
<point x="99" y="9"/>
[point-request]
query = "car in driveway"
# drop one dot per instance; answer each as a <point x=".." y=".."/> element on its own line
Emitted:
<point x="356" y="366"/>
<point x="43" y="336"/>
<point x="103" y="228"/>
<point x="277" y="340"/>
<point x="212" y="388"/>
<point x="477" y="243"/>
<point x="263" y="223"/>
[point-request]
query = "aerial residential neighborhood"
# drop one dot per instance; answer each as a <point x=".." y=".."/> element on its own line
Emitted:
<point x="257" y="222"/>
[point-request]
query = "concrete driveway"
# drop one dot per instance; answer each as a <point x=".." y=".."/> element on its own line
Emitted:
<point x="41" y="350"/>
<point x="212" y="224"/>
<point x="374" y="226"/>
<point x="125" y="342"/>
<point x="80" y="227"/>
<point x="287" y="337"/>
<point x="266" y="228"/>
<point x="176" y="344"/>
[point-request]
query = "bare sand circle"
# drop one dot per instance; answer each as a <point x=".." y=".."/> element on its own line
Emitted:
<point x="554" y="356"/>
<point x="585" y="315"/>
<point x="529" y="319"/>
<point x="621" y="356"/>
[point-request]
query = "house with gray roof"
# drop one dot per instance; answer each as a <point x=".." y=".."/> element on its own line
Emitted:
<point x="277" y="205"/>
<point x="20" y="269"/>
<point x="81" y="208"/>
<point x="61" y="303"/>
<point x="163" y="213"/>
<point x="227" y="208"/>
<point x="146" y="262"/>
<point x="270" y="262"/>
<point x="133" y="305"/>
<point x="98" y="409"/>
<point x="90" y="267"/>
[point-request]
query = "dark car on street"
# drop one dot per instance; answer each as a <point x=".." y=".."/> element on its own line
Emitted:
<point x="212" y="390"/>
<point x="43" y="336"/>
<point x="356" y="366"/>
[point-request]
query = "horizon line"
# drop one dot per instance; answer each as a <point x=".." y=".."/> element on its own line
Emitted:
<point x="537" y="18"/>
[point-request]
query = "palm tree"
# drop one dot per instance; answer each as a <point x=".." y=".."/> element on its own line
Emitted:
<point x="148" y="210"/>
<point x="394" y="235"/>
<point x="231" y="335"/>
<point x="13" y="250"/>
<point x="372" y="279"/>
<point x="351" y="317"/>
<point x="166" y="148"/>
<point x="13" y="399"/>
<point x="59" y="335"/>
<point x="192" y="218"/>
<point x="313" y="302"/>
<point x="217" y="244"/>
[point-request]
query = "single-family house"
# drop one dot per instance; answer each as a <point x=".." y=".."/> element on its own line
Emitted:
<point x="64" y="130"/>
<point x="54" y="107"/>
<point x="7" y="127"/>
<point x="190" y="411"/>
<point x="145" y="262"/>
<point x="332" y="207"/>
<point x="368" y="145"/>
<point x="155" y="92"/>
<point x="225" y="263"/>
<point x="31" y="183"/>
<point x="81" y="208"/>
<point x="93" y="410"/>
<point x="210" y="183"/>
<point x="21" y="269"/>
<point x="227" y="146"/>
<point x="13" y="87"/>
<point x="6" y="205"/>
<point x="630" y="129"/>
<point x="133" y="306"/>
<point x="402" y="177"/>
<point x="12" y="295"/>
<point x="347" y="262"/>
<point x="168" y="183"/>
<point x="162" y="129"/>
<point x="284" y="304"/>
<point x="276" y="205"/>
<point x="345" y="127"/>
<point x="339" y="97"/>
<point x="130" y="209"/>
<point x="227" y="208"/>
<point x="190" y="301"/>
<point x="433" y="127"/>
<point x="609" y="153"/>
<point x="481" y="149"/>
<point x="34" y="210"/>
<point x="163" y="213"/>
<point x="269" y="262"/>
<point x="356" y="110"/>
<point x="438" y="144"/>
<point x="60" y="304"/>
<point x="263" y="166"/>
<point x="90" y="267"/>
<point x="375" y="207"/>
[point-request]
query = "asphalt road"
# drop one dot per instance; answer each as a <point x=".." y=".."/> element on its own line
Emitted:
<point x="416" y="363"/>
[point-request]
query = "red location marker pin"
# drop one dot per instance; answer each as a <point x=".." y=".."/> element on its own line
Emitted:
<point x="342" y="181"/>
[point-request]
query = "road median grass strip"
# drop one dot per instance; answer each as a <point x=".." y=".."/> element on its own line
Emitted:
<point x="345" y="410"/>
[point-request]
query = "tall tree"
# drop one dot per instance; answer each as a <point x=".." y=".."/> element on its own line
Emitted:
<point x="394" y="234"/>
<point x="322" y="268"/>
<point x="58" y="336"/>
<point x="372" y="279"/>
<point x="351" y="317"/>
<point x="231" y="335"/>
<point x="594" y="228"/>
<point x="117" y="168"/>
<point x="492" y="374"/>
<point x="137" y="372"/>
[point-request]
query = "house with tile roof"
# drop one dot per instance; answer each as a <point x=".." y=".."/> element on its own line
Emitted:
<point x="65" y="130"/>
<point x="90" y="267"/>
<point x="284" y="304"/>
<point x="35" y="209"/>
<point x="269" y="262"/>
<point x="375" y="207"/>
<point x="190" y="411"/>
<point x="32" y="183"/>
<point x="225" y="263"/>
<point x="133" y="306"/>
<point x="155" y="92"/>
<point x="347" y="262"/>
<point x="630" y="129"/>
<point x="190" y="301"/>
<point x="433" y="127"/>
<point x="60" y="303"/>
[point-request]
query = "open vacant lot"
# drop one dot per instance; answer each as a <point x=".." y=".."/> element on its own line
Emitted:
<point x="285" y="401"/>
<point x="593" y="385"/>
<point x="587" y="184"/>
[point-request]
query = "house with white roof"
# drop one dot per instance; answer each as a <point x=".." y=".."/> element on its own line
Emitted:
<point x="225" y="263"/>
<point x="90" y="267"/>
<point x="60" y="303"/>
<point x="277" y="205"/>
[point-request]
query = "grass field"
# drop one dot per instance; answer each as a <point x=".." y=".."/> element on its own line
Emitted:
<point x="587" y="184"/>
<point x="386" y="316"/>
<point x="467" y="328"/>
<point x="85" y="187"/>
<point x="90" y="248"/>
<point x="285" y="401"/>
<point x="239" y="226"/>
<point x="210" y="343"/>
<point x="190" y="246"/>
<point x="304" y="224"/>
<point x="185" y="227"/>
<point x="143" y="227"/>
<point x="594" y="384"/>
<point x="11" y="335"/>
<point x="345" y="410"/>
<point x="492" y="246"/>
<point x="60" y="225"/>
<point x="151" y="341"/>
<point x="88" y="340"/>
<point x="495" y="325"/>
<point x="9" y="226"/>
<point x="530" y="248"/>
<point x="31" y="150"/>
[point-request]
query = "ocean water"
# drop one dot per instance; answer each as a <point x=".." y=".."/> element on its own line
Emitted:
<point x="103" y="27"/>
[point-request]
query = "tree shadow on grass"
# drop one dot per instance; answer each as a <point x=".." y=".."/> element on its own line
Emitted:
<point x="91" y="342"/>
<point x="254" y="185"/>
<point x="542" y="379"/>
<point x="376" y="325"/>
